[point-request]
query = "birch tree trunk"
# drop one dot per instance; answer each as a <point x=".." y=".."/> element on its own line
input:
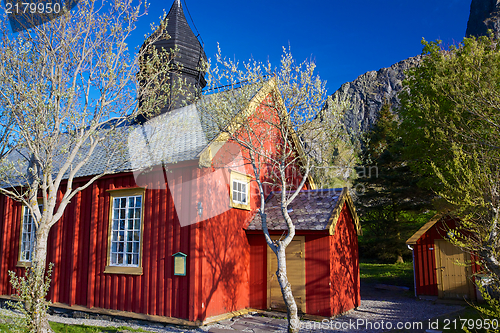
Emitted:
<point x="38" y="283"/>
<point x="286" y="291"/>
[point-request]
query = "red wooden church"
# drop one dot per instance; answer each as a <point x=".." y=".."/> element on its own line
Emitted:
<point x="187" y="243"/>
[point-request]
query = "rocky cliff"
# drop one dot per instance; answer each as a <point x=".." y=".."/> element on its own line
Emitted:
<point x="365" y="95"/>
<point x="484" y="15"/>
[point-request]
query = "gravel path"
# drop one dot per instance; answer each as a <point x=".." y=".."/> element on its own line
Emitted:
<point x="380" y="311"/>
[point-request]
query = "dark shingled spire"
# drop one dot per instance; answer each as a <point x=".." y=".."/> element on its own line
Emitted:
<point x="190" y="56"/>
<point x="191" y="53"/>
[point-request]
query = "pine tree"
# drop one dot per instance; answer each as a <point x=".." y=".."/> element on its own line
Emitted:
<point x="391" y="205"/>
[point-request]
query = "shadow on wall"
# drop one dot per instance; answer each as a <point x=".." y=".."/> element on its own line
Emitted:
<point x="225" y="271"/>
<point x="345" y="267"/>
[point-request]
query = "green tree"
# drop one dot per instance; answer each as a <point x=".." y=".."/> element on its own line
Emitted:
<point x="390" y="203"/>
<point x="69" y="85"/>
<point x="451" y="123"/>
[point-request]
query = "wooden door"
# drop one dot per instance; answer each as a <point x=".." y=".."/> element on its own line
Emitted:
<point x="295" y="264"/>
<point x="453" y="271"/>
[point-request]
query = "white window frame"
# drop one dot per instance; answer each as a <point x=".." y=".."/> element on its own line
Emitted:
<point x="28" y="237"/>
<point x="126" y="220"/>
<point x="242" y="179"/>
<point x="242" y="193"/>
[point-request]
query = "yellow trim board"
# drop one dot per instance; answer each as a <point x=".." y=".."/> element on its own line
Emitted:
<point x="124" y="192"/>
<point x="344" y="197"/>
<point x="414" y="238"/>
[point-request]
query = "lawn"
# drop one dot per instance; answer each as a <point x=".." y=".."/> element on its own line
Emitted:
<point x="63" y="328"/>
<point x="393" y="274"/>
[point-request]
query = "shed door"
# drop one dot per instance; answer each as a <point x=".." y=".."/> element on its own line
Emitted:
<point x="295" y="264"/>
<point x="453" y="278"/>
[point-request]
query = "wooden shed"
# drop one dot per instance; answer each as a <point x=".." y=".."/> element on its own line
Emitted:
<point x="437" y="271"/>
<point x="322" y="260"/>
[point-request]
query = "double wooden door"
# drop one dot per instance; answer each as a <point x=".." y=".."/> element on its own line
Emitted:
<point x="295" y="264"/>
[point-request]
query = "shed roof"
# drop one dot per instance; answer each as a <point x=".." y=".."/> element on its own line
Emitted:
<point x="316" y="210"/>
<point x="435" y="219"/>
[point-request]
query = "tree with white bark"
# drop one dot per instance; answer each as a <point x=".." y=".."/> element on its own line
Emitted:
<point x="283" y="140"/>
<point x="68" y="90"/>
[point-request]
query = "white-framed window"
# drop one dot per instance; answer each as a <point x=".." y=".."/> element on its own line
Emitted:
<point x="28" y="236"/>
<point x="239" y="190"/>
<point x="125" y="231"/>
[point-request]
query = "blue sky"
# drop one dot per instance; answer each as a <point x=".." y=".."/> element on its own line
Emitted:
<point x="345" y="38"/>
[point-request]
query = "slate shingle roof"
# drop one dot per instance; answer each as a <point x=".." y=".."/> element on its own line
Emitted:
<point x="176" y="136"/>
<point x="310" y="210"/>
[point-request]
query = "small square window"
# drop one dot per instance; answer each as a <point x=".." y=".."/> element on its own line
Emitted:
<point x="240" y="190"/>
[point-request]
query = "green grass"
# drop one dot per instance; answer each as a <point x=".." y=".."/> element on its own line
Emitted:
<point x="63" y="328"/>
<point x="392" y="274"/>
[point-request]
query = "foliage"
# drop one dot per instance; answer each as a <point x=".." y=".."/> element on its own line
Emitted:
<point x="491" y="309"/>
<point x="335" y="165"/>
<point x="270" y="140"/>
<point x="67" y="88"/>
<point x="31" y="291"/>
<point x="451" y="123"/>
<point x="63" y="328"/>
<point x="391" y="205"/>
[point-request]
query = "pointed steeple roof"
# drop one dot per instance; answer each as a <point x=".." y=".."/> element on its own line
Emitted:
<point x="191" y="53"/>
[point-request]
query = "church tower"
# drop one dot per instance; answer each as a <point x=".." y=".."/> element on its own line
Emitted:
<point x="190" y="55"/>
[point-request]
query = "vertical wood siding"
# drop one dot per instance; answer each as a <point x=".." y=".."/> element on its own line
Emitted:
<point x="78" y="246"/>
<point x="258" y="271"/>
<point x="425" y="260"/>
<point x="344" y="279"/>
<point x="318" y="257"/>
<point x="425" y="264"/>
<point x="331" y="264"/>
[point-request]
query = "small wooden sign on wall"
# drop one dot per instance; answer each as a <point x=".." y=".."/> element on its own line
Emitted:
<point x="179" y="263"/>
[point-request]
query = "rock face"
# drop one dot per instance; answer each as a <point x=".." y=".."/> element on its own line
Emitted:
<point x="484" y="15"/>
<point x="364" y="97"/>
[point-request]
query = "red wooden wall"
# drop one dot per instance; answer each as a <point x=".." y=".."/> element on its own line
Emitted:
<point x="344" y="277"/>
<point x="318" y="268"/>
<point x="78" y="248"/>
<point x="425" y="262"/>
<point x="225" y="264"/>
<point x="219" y="254"/>
<point x="331" y="265"/>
